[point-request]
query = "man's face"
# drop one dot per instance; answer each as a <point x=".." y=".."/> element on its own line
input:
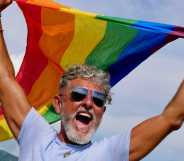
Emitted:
<point x="81" y="109"/>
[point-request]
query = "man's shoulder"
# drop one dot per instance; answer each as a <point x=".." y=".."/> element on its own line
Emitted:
<point x="35" y="126"/>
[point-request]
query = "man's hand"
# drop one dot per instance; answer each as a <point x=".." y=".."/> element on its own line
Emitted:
<point x="4" y="4"/>
<point x="174" y="112"/>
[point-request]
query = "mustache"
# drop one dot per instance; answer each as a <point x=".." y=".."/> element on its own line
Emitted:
<point x="80" y="109"/>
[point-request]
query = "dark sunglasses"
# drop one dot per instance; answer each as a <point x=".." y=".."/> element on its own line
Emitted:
<point x="80" y="93"/>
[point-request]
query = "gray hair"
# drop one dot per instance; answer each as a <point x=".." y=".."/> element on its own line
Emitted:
<point x="87" y="72"/>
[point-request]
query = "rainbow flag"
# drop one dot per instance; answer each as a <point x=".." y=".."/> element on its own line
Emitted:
<point x="59" y="36"/>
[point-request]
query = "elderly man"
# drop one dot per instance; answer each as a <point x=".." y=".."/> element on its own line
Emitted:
<point x="84" y="92"/>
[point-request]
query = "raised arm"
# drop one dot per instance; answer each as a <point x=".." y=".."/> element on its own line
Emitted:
<point x="13" y="99"/>
<point x="148" y="134"/>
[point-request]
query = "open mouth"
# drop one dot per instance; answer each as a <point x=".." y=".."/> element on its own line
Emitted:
<point x="84" y="117"/>
<point x="83" y="120"/>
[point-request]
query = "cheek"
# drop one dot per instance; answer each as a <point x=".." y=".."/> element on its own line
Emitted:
<point x="99" y="112"/>
<point x="70" y="107"/>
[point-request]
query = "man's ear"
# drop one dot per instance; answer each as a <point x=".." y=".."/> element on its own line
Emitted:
<point x="56" y="102"/>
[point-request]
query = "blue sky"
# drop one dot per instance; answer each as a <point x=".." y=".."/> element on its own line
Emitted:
<point x="146" y="90"/>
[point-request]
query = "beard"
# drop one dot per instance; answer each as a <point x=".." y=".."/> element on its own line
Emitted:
<point x="72" y="134"/>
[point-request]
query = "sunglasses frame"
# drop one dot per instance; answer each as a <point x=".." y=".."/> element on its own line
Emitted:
<point x="96" y="95"/>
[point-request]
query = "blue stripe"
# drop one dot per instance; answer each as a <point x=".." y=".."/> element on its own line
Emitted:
<point x="144" y="44"/>
<point x="153" y="27"/>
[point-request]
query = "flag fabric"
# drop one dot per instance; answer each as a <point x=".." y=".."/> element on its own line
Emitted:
<point x="59" y="36"/>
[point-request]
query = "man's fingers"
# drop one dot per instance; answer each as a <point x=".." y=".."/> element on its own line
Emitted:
<point x="4" y="4"/>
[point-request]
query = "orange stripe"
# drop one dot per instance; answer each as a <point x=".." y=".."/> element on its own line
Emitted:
<point x="46" y="86"/>
<point x="1" y="117"/>
<point x="58" y="31"/>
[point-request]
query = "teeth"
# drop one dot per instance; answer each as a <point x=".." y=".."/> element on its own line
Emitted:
<point x="85" y="114"/>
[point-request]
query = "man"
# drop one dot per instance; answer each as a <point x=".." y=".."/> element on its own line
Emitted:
<point x="83" y="94"/>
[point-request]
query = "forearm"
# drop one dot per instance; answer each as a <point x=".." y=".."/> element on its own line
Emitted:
<point x="6" y="67"/>
<point x="12" y="96"/>
<point x="147" y="135"/>
<point x="13" y="101"/>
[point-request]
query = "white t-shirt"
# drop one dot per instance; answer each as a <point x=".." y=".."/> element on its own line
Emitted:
<point x="39" y="142"/>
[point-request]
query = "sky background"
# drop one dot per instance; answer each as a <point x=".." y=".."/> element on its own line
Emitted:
<point x="146" y="90"/>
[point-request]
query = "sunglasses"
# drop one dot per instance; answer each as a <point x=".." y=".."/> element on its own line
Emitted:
<point x="80" y="93"/>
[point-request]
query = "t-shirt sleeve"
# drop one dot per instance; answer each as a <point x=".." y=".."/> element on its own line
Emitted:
<point x="34" y="128"/>
<point x="122" y="145"/>
<point x="119" y="146"/>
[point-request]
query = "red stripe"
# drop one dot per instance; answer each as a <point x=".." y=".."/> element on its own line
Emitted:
<point x="20" y="1"/>
<point x="1" y="111"/>
<point x="34" y="60"/>
<point x="178" y="31"/>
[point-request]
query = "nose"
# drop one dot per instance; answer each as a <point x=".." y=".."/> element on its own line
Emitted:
<point x="88" y="101"/>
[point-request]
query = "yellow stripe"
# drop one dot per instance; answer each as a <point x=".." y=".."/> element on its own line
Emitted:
<point x="43" y="109"/>
<point x="76" y="11"/>
<point x="88" y="33"/>
<point x="5" y="132"/>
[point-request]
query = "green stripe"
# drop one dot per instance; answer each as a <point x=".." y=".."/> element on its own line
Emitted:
<point x="117" y="20"/>
<point x="117" y="37"/>
<point x="51" y="116"/>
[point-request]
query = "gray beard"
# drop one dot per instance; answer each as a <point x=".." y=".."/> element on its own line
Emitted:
<point x="71" y="133"/>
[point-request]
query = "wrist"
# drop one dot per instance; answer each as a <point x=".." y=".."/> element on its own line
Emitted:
<point x="173" y="120"/>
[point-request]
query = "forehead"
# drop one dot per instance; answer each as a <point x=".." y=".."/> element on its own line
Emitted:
<point x="84" y="83"/>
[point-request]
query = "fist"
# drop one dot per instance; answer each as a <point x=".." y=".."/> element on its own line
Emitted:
<point x="4" y="4"/>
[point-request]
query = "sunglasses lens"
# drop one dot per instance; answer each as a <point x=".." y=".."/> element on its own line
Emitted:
<point x="98" y="102"/>
<point x="78" y="94"/>
<point x="99" y="98"/>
